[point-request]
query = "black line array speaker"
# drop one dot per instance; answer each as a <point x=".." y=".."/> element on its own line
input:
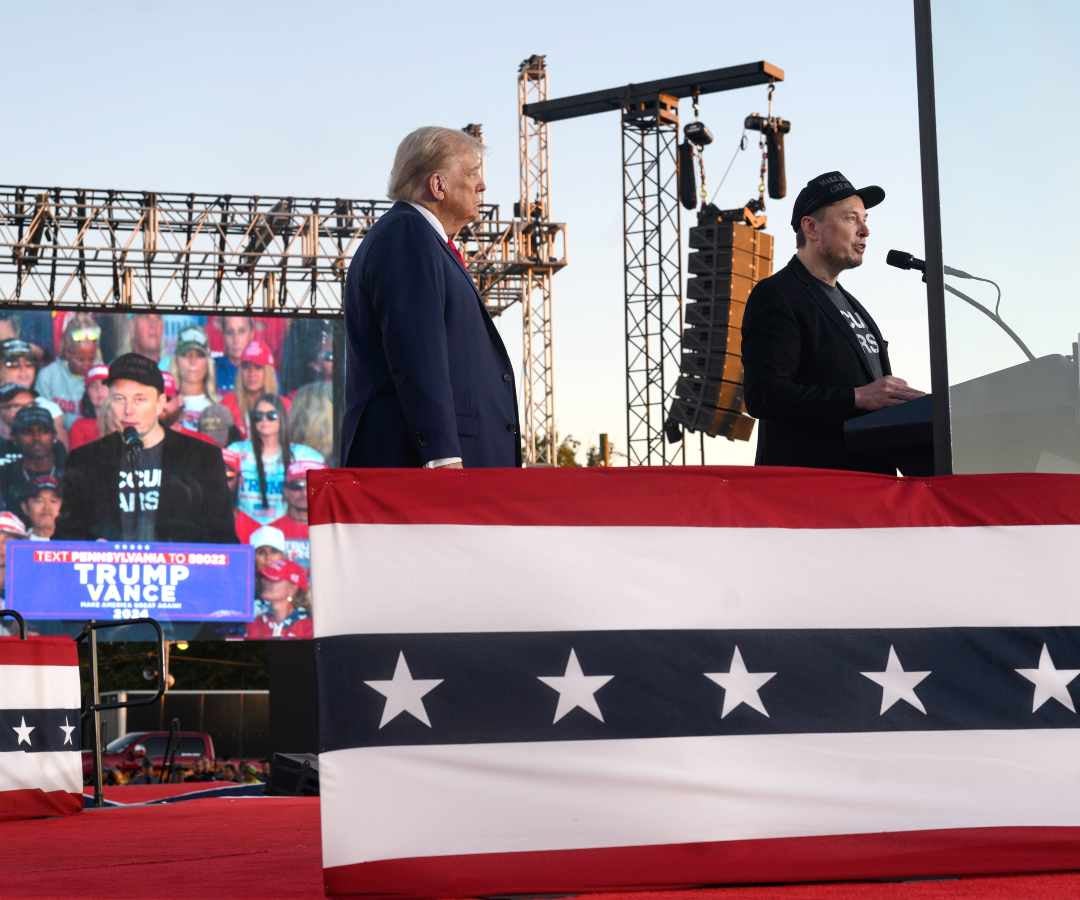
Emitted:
<point x="726" y="260"/>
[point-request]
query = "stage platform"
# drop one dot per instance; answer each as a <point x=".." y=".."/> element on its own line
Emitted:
<point x="269" y="847"/>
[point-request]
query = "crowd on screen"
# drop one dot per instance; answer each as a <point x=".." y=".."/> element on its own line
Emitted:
<point x="258" y="388"/>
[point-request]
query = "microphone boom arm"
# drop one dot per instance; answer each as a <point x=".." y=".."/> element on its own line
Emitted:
<point x="994" y="317"/>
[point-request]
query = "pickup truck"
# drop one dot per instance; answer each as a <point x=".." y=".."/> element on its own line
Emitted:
<point x="126" y="753"/>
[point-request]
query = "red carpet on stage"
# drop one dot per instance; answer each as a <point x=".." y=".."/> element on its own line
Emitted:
<point x="270" y="847"/>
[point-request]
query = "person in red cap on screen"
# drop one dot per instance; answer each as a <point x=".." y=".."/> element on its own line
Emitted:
<point x="283" y="592"/>
<point x="257" y="376"/>
<point x="294" y="524"/>
<point x="87" y="428"/>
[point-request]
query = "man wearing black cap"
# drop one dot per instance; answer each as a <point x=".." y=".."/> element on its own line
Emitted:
<point x="41" y="506"/>
<point x="34" y="434"/>
<point x="18" y="366"/>
<point x="812" y="355"/>
<point x="144" y="482"/>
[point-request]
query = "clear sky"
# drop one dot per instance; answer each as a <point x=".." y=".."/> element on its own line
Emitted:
<point x="311" y="99"/>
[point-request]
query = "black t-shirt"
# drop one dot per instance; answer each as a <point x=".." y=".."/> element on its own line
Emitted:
<point x="863" y="334"/>
<point x="140" y="491"/>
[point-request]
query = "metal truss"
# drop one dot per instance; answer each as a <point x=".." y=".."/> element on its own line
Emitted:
<point x="210" y="253"/>
<point x="652" y="258"/>
<point x="539" y="254"/>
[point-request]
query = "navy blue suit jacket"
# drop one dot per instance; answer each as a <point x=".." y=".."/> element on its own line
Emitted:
<point x="427" y="375"/>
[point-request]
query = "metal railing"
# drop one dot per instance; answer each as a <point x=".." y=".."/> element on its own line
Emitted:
<point x="92" y="710"/>
<point x="19" y="620"/>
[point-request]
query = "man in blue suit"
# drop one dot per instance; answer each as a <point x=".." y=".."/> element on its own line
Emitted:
<point x="428" y="380"/>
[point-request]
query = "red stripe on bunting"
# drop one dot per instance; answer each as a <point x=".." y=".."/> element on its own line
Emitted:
<point x="40" y="651"/>
<point x="33" y="803"/>
<point x="857" y="857"/>
<point x="710" y="496"/>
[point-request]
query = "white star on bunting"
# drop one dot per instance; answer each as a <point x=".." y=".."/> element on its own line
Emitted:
<point x="67" y="729"/>
<point x="23" y="731"/>
<point x="896" y="684"/>
<point x="576" y="689"/>
<point x="404" y="693"/>
<point x="1050" y="683"/>
<point x="740" y="686"/>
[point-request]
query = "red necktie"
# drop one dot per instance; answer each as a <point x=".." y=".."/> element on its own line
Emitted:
<point x="453" y="249"/>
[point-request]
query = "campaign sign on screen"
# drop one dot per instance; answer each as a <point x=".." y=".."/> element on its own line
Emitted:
<point x="97" y="580"/>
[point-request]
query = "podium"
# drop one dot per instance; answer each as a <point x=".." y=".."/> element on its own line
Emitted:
<point x="1022" y="419"/>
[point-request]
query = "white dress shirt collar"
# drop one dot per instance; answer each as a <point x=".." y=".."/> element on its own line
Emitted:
<point x="432" y="221"/>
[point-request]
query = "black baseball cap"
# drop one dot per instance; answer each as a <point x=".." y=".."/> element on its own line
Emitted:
<point x="11" y="388"/>
<point x="13" y="347"/>
<point x="136" y="367"/>
<point x="44" y="483"/>
<point x="31" y="415"/>
<point x="832" y="187"/>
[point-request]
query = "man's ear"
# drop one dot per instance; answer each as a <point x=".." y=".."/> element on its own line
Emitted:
<point x="436" y="186"/>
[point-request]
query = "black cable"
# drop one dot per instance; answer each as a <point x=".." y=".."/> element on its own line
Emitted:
<point x="739" y="149"/>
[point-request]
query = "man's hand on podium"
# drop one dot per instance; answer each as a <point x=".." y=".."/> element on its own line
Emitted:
<point x="886" y="391"/>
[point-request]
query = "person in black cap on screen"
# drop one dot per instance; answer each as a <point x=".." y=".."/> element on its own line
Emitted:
<point x="144" y="482"/>
<point x="813" y="357"/>
<point x="34" y="434"/>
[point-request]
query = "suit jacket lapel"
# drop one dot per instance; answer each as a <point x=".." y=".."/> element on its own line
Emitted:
<point x="492" y="330"/>
<point x="833" y="314"/>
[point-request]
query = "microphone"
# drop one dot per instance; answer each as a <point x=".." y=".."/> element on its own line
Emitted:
<point x="901" y="260"/>
<point x="131" y="439"/>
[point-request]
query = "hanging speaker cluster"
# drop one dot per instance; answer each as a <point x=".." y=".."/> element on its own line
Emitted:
<point x="726" y="260"/>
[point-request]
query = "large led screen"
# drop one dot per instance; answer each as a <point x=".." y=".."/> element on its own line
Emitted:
<point x="202" y="525"/>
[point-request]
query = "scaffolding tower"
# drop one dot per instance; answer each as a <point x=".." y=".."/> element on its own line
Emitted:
<point x="652" y="240"/>
<point x="652" y="272"/>
<point x="540" y="260"/>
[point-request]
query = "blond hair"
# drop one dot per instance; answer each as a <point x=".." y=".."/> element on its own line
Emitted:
<point x="209" y="383"/>
<point x="245" y="399"/>
<point x="422" y="153"/>
<point x="311" y="419"/>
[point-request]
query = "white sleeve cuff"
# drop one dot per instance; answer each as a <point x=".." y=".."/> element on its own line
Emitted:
<point x="439" y="463"/>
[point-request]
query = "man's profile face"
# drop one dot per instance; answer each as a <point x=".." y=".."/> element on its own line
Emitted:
<point x="18" y="370"/>
<point x="464" y="186"/>
<point x="237" y="331"/>
<point x="36" y="442"/>
<point x="146" y="333"/>
<point x="842" y="233"/>
<point x="135" y="405"/>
